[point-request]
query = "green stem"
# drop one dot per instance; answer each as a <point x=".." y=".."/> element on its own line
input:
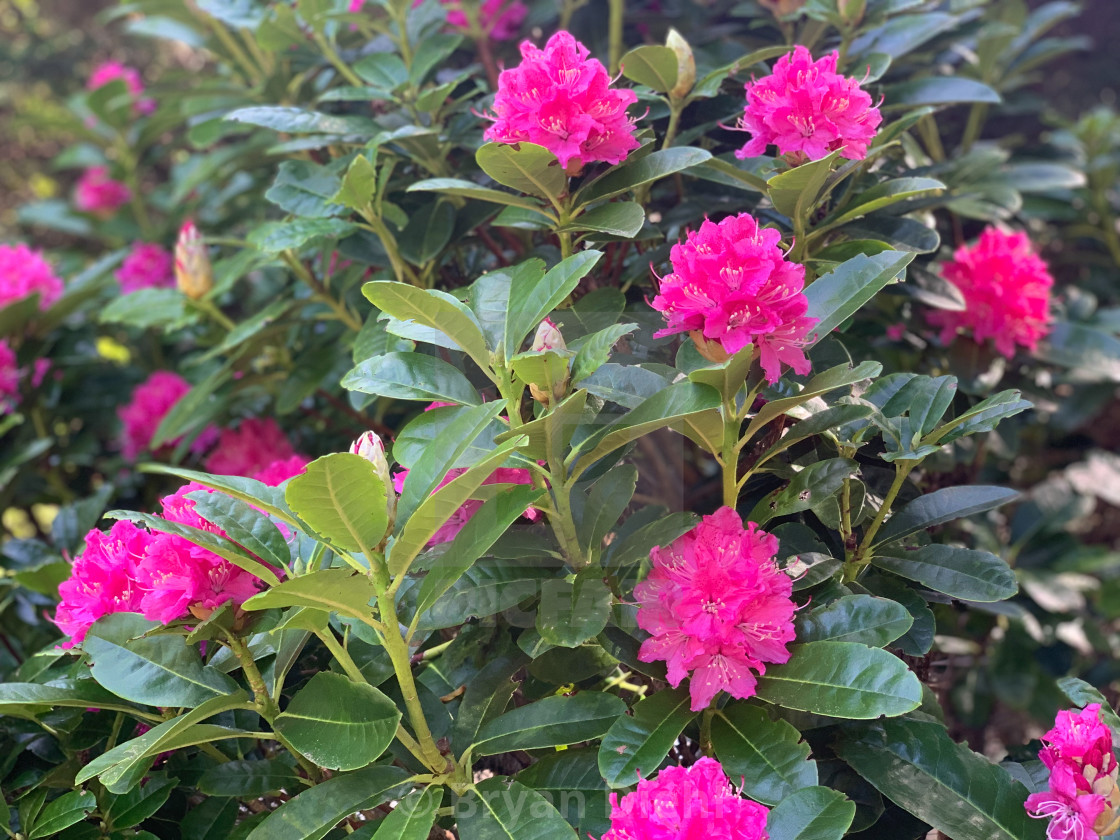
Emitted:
<point x="976" y="117"/>
<point x="401" y="269"/>
<point x="706" y="732"/>
<point x="321" y="293"/>
<point x="617" y="16"/>
<point x="248" y="71"/>
<point x="565" y="244"/>
<point x="341" y="655"/>
<point x="675" y="108"/>
<point x="210" y="308"/>
<point x="853" y="568"/>
<point x="729" y="455"/>
<point x="932" y="138"/>
<point x="336" y="61"/>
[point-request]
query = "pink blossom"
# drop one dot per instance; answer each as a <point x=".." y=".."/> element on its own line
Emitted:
<point x="687" y="803"/>
<point x="1072" y="813"/>
<point x="102" y="581"/>
<point x="9" y="379"/>
<point x="280" y="471"/>
<point x="806" y="108"/>
<point x="1080" y="737"/>
<point x="732" y="286"/>
<point x="560" y="99"/>
<point x="250" y="448"/>
<point x="147" y="266"/>
<point x="110" y="71"/>
<point x="499" y="19"/>
<point x="896" y="331"/>
<point x="717" y="607"/>
<point x="1006" y="288"/>
<point x="99" y="194"/>
<point x="150" y="403"/>
<point x="356" y="6"/>
<point x="24" y="272"/>
<point x="463" y="514"/>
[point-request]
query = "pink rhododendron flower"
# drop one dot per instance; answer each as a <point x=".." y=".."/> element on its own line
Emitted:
<point x="806" y="108"/>
<point x="1072" y="813"/>
<point x="99" y="194"/>
<point x="150" y="403"/>
<point x="732" y="286"/>
<point x="147" y="266"/>
<point x="110" y="71"/>
<point x="1006" y="288"/>
<point x="103" y="580"/>
<point x="24" y="272"/>
<point x="687" y="803"/>
<point x="716" y="607"/>
<point x="560" y="99"/>
<point x="1081" y="737"/>
<point x="280" y="471"/>
<point x="9" y="379"/>
<point x="356" y="6"/>
<point x="250" y="448"/>
<point x="462" y="515"/>
<point x="499" y="19"/>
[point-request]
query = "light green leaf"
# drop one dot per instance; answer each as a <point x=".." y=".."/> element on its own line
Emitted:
<point x="340" y="591"/>
<point x="768" y="755"/>
<point x="526" y="167"/>
<point x="655" y="67"/>
<point x="343" y="499"/>
<point x="411" y="376"/>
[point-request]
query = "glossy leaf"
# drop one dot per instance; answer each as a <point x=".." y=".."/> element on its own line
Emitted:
<point x="570" y="780"/>
<point x="343" y="499"/>
<point x="553" y="721"/>
<point x="498" y="809"/>
<point x="842" y="292"/>
<point x="532" y="296"/>
<point x="340" y="591"/>
<point x="645" y="170"/>
<point x="624" y="219"/>
<point x="526" y="167"/>
<point x="937" y="90"/>
<point x="250" y="778"/>
<point x="958" y="572"/>
<point x="812" y="813"/>
<point x="469" y="189"/>
<point x="875" y="622"/>
<point x="768" y="755"/>
<point x="794" y="192"/>
<point x="411" y="376"/>
<point x="62" y="813"/>
<point x="433" y="309"/>
<point x="571" y="612"/>
<point x="132" y="808"/>
<point x="412" y="818"/>
<point x="943" y="506"/>
<point x="653" y="66"/>
<point x="637" y="744"/>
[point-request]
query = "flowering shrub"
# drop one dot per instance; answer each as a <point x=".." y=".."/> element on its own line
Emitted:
<point x="504" y="450"/>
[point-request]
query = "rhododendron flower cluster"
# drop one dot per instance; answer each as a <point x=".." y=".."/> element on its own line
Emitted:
<point x="687" y="803"/>
<point x="560" y="99"/>
<point x="1006" y="288"/>
<point x="806" y="108"/>
<point x="717" y="607"/>
<point x="732" y="286"/>
<point x="110" y="71"/>
<point x="147" y="266"/>
<point x="1083" y="802"/>
<point x="499" y="19"/>
<point x="9" y="379"/>
<point x="24" y="272"/>
<point x="99" y="194"/>
<point x="150" y="402"/>
<point x="250" y="448"/>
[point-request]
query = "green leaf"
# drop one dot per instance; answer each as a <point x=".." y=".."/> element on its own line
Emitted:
<point x="809" y="487"/>
<point x="937" y="90"/>
<point x="1082" y="694"/>
<point x="621" y="218"/>
<point x="841" y="679"/>
<point x="768" y="755"/>
<point x="885" y="194"/>
<point x="469" y="189"/>
<point x="412" y="818"/>
<point x="358" y="184"/>
<point x="274" y="237"/>
<point x="315" y="811"/>
<point x="250" y="779"/>
<point x="655" y="67"/>
<point x="82" y="694"/>
<point x="486" y="588"/>
<point x="256" y="493"/>
<point x="429" y="429"/>
<point x="244" y="525"/>
<point x="961" y="794"/>
<point x="382" y="70"/>
<point x="526" y="167"/>
<point x="428" y="231"/>
<point x="342" y="498"/>
<point x="813" y="813"/>
<point x="340" y="591"/>
<point x="957" y="572"/>
<point x="636" y="546"/>
<point x="305" y="189"/>
<point x="158" y="670"/>
<point x="982" y="417"/>
<point x="552" y="722"/>
<point x="147" y="308"/>
<point x="533" y="296"/>
<point x="875" y="622"/>
<point x="337" y="723"/>
<point x="62" y="813"/>
<point x="571" y="612"/>
<point x="646" y="170"/>
<point x="132" y="808"/>
<point x="942" y="506"/>
<point x="411" y="376"/>
<point x="299" y="121"/>
<point x="570" y="780"/>
<point x="637" y="744"/>
<point x="794" y="193"/>
<point x="819" y="424"/>
<point x="838" y="295"/>
<point x="500" y="809"/>
<point x="554" y="431"/>
<point x="595" y="350"/>
<point x="831" y="379"/>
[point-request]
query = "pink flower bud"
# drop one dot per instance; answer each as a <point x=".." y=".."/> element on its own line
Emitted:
<point x="370" y="447"/>
<point x="686" y="64"/>
<point x="548" y="337"/>
<point x="193" y="273"/>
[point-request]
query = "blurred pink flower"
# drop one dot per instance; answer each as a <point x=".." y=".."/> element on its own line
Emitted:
<point x="356" y="6"/>
<point x="250" y="448"/>
<point x="99" y="194"/>
<point x="280" y="471"/>
<point x="147" y="266"/>
<point x="9" y="379"/>
<point x="150" y="403"/>
<point x="560" y="99"/>
<point x="806" y="107"/>
<point x="500" y="19"/>
<point x="24" y="272"/>
<point x="716" y="607"/>
<point x="110" y="71"/>
<point x="896" y="331"/>
<point x="1006" y="288"/>
<point x="732" y="286"/>
<point x="687" y="803"/>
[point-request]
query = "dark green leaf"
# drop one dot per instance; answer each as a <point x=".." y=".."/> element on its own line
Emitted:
<point x="650" y="168"/>
<point x="141" y="802"/>
<point x="63" y="812"/>
<point x="794" y="192"/>
<point x="637" y="744"/>
<point x="571" y="612"/>
<point x="250" y="779"/>
<point x="937" y="90"/>
<point x="768" y="755"/>
<point x="551" y="722"/>
<point x="942" y="506"/>
<point x="813" y="813"/>
<point x="469" y="189"/>
<point x="412" y="818"/>
<point x="875" y="622"/>
<point x="500" y="809"/>
<point x="838" y="295"/>
<point x="305" y="189"/>
<point x="958" y="572"/>
<point x="623" y="218"/>
<point x="273" y="237"/>
<point x="532" y="296"/>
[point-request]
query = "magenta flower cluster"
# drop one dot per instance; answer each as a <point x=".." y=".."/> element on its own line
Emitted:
<point x="716" y="607"/>
<point x="147" y="265"/>
<point x="687" y="803"/>
<point x="732" y="286"/>
<point x="25" y="272"/>
<point x="806" y="108"/>
<point x="97" y="193"/>
<point x="561" y="99"/>
<point x="1083" y="800"/>
<point x="1006" y="288"/>
<point x="110" y="71"/>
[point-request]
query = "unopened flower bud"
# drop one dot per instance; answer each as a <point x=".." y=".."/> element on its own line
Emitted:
<point x="686" y="64"/>
<point x="548" y="337"/>
<point x="851" y="11"/>
<point x="370" y="447"/>
<point x="710" y="349"/>
<point x="193" y="273"/>
<point x="781" y="8"/>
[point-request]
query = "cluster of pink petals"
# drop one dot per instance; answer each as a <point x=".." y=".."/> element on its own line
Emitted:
<point x="1083" y="800"/>
<point x="717" y="607"/>
<point x="687" y="803"/>
<point x="165" y="577"/>
<point x="24" y="272"/>
<point x="11" y="374"/>
<point x="732" y="285"/>
<point x="281" y="470"/>
<point x="560" y="99"/>
<point x="1006" y="288"/>
<point x="150" y="402"/>
<point x="99" y="194"/>
<point x="252" y="447"/>
<point x="462" y="515"/>
<point x="110" y="71"/>
<point x="499" y="19"/>
<point x="805" y="107"/>
<point x="147" y="266"/>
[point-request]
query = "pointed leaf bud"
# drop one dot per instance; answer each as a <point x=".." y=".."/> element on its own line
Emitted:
<point x="686" y="64"/>
<point x="370" y="447"/>
<point x="545" y="367"/>
<point x="193" y="273"/>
